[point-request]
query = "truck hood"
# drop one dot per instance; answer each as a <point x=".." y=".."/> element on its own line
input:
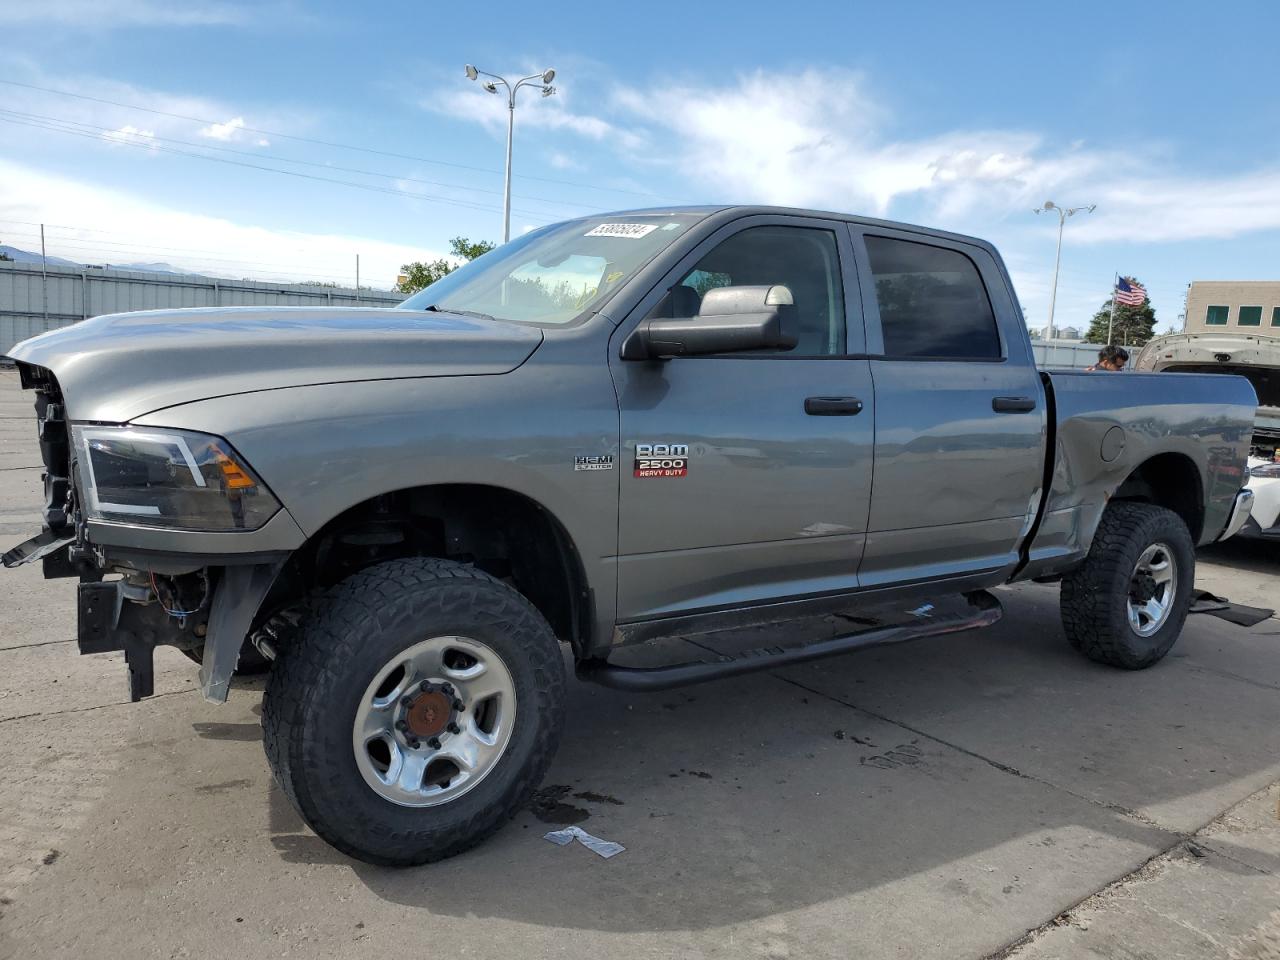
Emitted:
<point x="120" y="366"/>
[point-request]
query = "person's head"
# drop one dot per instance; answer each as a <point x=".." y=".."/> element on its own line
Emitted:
<point x="1112" y="358"/>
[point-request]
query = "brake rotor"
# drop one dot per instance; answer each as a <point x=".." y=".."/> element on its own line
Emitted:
<point x="429" y="714"/>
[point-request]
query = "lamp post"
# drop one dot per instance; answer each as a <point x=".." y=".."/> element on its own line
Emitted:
<point x="1063" y="213"/>
<point x="542" y="80"/>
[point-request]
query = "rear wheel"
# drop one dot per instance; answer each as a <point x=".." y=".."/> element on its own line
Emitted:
<point x="418" y="709"/>
<point x="1126" y="604"/>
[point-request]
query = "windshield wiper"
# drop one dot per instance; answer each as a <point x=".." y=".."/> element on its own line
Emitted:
<point x="462" y="313"/>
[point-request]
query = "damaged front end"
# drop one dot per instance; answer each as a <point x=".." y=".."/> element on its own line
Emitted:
<point x="114" y="498"/>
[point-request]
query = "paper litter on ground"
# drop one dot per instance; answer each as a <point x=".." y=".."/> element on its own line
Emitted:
<point x="606" y="848"/>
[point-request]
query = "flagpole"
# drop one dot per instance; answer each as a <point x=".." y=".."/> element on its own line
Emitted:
<point x="1112" y="322"/>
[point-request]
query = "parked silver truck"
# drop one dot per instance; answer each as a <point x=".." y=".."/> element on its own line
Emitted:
<point x="609" y="430"/>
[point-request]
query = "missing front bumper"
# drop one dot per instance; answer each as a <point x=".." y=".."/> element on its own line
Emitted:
<point x="110" y="621"/>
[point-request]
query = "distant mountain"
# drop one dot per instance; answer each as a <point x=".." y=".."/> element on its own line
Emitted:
<point x="23" y="256"/>
<point x="26" y="256"/>
<point x="149" y="267"/>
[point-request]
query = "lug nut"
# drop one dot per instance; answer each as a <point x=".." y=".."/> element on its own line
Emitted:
<point x="406" y="701"/>
<point x="447" y="689"/>
<point x="454" y="728"/>
<point x="427" y="686"/>
<point x="458" y="704"/>
<point x="434" y="743"/>
<point x="401" y="726"/>
<point x="414" y="744"/>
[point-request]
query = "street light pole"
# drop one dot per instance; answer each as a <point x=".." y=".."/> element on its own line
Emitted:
<point x="491" y="85"/>
<point x="1063" y="213"/>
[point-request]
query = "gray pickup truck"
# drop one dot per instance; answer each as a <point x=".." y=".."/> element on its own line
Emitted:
<point x="607" y="431"/>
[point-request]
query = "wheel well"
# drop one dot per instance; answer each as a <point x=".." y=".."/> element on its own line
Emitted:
<point x="1168" y="480"/>
<point x="503" y="533"/>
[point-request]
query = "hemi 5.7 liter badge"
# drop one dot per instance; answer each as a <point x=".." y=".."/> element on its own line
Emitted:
<point x="662" y="460"/>
<point x="604" y="462"/>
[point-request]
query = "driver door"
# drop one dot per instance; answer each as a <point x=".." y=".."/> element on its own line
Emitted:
<point x="767" y="494"/>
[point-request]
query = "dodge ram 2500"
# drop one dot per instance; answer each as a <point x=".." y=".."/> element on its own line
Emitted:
<point x="608" y="430"/>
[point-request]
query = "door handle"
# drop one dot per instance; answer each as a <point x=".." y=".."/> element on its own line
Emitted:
<point x="1013" y="404"/>
<point x="832" y="406"/>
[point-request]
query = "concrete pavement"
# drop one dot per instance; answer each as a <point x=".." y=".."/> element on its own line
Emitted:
<point x="984" y="794"/>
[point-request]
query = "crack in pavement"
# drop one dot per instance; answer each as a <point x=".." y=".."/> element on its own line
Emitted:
<point x="100" y="706"/>
<point x="1180" y="839"/>
<point x="28" y="646"/>
<point x="1012" y="948"/>
<point x="1002" y="767"/>
<point x="1228" y="675"/>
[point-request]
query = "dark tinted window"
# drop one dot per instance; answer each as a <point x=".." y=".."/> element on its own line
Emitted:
<point x="800" y="258"/>
<point x="932" y="301"/>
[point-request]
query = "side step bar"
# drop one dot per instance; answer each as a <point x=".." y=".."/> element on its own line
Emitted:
<point x="984" y="610"/>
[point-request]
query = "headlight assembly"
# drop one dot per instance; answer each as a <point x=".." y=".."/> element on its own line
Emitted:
<point x="168" y="478"/>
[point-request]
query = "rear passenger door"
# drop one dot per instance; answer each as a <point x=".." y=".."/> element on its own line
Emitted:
<point x="959" y="418"/>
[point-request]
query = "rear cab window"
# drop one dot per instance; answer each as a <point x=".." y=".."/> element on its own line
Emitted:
<point x="932" y="302"/>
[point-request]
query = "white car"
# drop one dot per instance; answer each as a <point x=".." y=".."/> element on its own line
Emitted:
<point x="1264" y="481"/>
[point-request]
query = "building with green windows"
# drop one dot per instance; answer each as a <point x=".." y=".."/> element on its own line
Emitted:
<point x="1235" y="305"/>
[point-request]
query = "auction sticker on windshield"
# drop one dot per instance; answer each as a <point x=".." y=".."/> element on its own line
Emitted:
<point x="631" y="231"/>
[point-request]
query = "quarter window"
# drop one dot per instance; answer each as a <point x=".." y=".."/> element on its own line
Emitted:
<point x="1275" y="316"/>
<point x="1250" y="317"/>
<point x="932" y="302"/>
<point x="1216" y="316"/>
<point x="803" y="259"/>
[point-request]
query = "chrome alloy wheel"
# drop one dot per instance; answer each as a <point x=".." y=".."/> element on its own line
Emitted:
<point x="1152" y="588"/>
<point x="434" y="721"/>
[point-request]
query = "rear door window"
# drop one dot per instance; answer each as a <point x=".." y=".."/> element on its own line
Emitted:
<point x="932" y="302"/>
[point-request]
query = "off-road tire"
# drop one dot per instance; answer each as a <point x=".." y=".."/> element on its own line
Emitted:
<point x="1094" y="598"/>
<point x="349" y="633"/>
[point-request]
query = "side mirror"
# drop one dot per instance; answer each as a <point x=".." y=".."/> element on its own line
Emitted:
<point x="731" y="320"/>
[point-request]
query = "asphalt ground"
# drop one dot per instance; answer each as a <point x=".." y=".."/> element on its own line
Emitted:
<point x="981" y="794"/>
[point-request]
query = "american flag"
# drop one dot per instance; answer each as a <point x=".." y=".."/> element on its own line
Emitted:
<point x="1130" y="293"/>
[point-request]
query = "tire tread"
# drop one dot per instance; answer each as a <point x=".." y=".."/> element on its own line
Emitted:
<point x="1087" y="600"/>
<point x="330" y="638"/>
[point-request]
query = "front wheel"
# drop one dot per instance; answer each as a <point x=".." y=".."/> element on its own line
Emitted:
<point x="417" y="711"/>
<point x="1126" y="604"/>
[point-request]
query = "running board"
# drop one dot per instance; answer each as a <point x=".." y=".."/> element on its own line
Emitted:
<point x="984" y="610"/>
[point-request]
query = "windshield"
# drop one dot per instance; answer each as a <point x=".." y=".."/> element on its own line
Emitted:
<point x="555" y="274"/>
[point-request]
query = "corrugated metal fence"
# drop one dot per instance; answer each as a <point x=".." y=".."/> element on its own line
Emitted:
<point x="1069" y="355"/>
<point x="71" y="294"/>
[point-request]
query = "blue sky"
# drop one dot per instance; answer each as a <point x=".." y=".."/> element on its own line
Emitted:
<point x="964" y="116"/>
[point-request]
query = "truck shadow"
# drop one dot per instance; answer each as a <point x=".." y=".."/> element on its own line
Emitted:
<point x="989" y="764"/>
<point x="1257" y="556"/>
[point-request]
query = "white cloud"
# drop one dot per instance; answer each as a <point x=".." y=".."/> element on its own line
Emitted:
<point x="814" y="139"/>
<point x="1158" y="208"/>
<point x="101" y="14"/>
<point x="550" y="113"/>
<point x="130" y="134"/>
<point x="562" y="161"/>
<point x="109" y="117"/>
<point x="222" y="131"/>
<point x="818" y="138"/>
<point x="117" y="227"/>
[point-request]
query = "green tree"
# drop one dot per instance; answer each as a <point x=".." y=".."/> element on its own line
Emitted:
<point x="1133" y="327"/>
<point x="414" y="276"/>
